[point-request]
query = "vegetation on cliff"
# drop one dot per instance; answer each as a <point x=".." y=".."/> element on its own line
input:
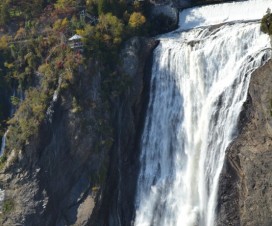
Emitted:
<point x="41" y="71"/>
<point x="37" y="59"/>
<point x="266" y="23"/>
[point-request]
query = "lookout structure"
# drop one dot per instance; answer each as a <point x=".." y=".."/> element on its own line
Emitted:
<point x="75" y="42"/>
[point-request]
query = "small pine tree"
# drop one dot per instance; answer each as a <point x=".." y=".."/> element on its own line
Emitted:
<point x="266" y="23"/>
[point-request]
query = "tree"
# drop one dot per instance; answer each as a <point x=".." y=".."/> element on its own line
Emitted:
<point x="4" y="13"/>
<point x="266" y="23"/>
<point x="63" y="4"/>
<point x="136" y="20"/>
<point x="91" y="6"/>
<point x="110" y="29"/>
<point x="102" y="7"/>
<point x="4" y="42"/>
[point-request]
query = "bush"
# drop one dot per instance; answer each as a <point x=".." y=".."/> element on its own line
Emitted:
<point x="8" y="206"/>
<point x="4" y="42"/>
<point x="266" y="23"/>
<point x="136" y="22"/>
<point x="3" y="160"/>
<point x="27" y="119"/>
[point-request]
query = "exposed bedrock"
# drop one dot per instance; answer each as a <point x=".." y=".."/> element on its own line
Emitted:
<point x="246" y="182"/>
<point x="117" y="204"/>
<point x="75" y="171"/>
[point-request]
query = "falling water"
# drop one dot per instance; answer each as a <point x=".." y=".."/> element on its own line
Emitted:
<point x="199" y="83"/>
<point x="3" y="143"/>
<point x="50" y="109"/>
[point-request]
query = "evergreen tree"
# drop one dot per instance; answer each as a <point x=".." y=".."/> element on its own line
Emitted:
<point x="266" y="23"/>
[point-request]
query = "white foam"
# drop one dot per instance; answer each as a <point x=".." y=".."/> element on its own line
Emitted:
<point x="221" y="13"/>
<point x="3" y="143"/>
<point x="197" y="91"/>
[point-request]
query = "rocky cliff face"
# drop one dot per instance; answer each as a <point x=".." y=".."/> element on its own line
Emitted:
<point x="117" y="203"/>
<point x="80" y="168"/>
<point x="246" y="181"/>
<point x="54" y="179"/>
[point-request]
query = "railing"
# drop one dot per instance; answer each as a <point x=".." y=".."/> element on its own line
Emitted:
<point x="76" y="45"/>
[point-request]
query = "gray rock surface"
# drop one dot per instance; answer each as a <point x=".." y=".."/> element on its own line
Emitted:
<point x="56" y="174"/>
<point x="167" y="10"/>
<point x="117" y="204"/>
<point x="245" y="192"/>
<point x="76" y="171"/>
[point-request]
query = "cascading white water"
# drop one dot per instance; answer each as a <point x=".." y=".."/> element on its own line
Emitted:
<point x="198" y="86"/>
<point x="50" y="109"/>
<point x="3" y="144"/>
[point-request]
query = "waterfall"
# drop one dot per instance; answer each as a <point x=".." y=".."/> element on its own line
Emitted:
<point x="50" y="109"/>
<point x="3" y="144"/>
<point x="199" y="83"/>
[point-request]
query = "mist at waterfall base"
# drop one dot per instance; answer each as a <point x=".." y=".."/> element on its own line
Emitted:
<point x="199" y="83"/>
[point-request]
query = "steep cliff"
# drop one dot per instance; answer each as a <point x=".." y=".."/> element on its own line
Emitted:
<point x="117" y="204"/>
<point x="54" y="179"/>
<point x="246" y="181"/>
<point x="80" y="168"/>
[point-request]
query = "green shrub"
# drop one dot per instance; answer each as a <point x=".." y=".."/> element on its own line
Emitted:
<point x="3" y="160"/>
<point x="8" y="206"/>
<point x="27" y="119"/>
<point x="266" y="23"/>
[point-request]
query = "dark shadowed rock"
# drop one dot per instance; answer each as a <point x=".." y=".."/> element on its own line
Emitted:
<point x="117" y="204"/>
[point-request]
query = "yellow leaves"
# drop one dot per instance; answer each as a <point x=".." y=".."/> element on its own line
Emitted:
<point x="110" y="28"/>
<point x="45" y="69"/>
<point x="20" y="34"/>
<point x="61" y="24"/>
<point x="62" y="4"/>
<point x="64" y="22"/>
<point x="136" y="20"/>
<point x="8" y="65"/>
<point x="88" y="29"/>
<point x="69" y="75"/>
<point x="106" y="38"/>
<point x="80" y="32"/>
<point x="38" y="108"/>
<point x="86" y="33"/>
<point x="4" y="42"/>
<point x="57" y="24"/>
